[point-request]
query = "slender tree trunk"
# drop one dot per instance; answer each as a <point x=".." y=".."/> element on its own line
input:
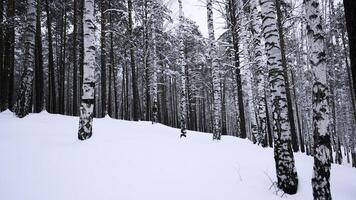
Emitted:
<point x="215" y="74"/>
<point x="38" y="89"/>
<point x="350" y="15"/>
<point x="104" y="101"/>
<point x="10" y="56"/>
<point x="154" y="70"/>
<point x="88" y="98"/>
<point x="261" y="71"/>
<point x="75" y="60"/>
<point x="51" y="104"/>
<point x="232" y="4"/>
<point x="182" y="64"/>
<point x="283" y="153"/>
<point x="286" y="78"/>
<point x="317" y="60"/>
<point x="135" y="94"/>
<point x="23" y="102"/>
<point x="2" y="69"/>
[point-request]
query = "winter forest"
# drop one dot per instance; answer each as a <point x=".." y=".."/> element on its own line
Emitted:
<point x="264" y="87"/>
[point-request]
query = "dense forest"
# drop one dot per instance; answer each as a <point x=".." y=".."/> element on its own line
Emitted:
<point x="282" y="74"/>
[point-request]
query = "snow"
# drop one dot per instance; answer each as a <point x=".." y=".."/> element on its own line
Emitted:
<point x="41" y="158"/>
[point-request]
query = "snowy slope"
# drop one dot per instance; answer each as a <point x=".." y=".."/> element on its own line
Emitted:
<point x="41" y="159"/>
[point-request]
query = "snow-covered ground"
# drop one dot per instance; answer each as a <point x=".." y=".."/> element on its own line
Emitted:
<point x="41" y="159"/>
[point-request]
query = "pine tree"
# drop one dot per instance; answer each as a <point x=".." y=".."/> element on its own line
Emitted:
<point x="104" y="101"/>
<point x="74" y="59"/>
<point x="283" y="154"/>
<point x="51" y="96"/>
<point x="215" y="74"/>
<point x="317" y="60"/>
<point x="23" y="103"/>
<point x="9" y="54"/>
<point x="88" y="97"/>
<point x="38" y="81"/>
<point x="136" y="101"/>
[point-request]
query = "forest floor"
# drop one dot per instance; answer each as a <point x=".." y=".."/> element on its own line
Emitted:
<point x="42" y="159"/>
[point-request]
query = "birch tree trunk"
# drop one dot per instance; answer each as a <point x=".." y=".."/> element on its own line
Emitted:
<point x="260" y="72"/>
<point x="87" y="101"/>
<point x="215" y="74"/>
<point x="317" y="61"/>
<point x="154" y="68"/>
<point x="23" y="102"/>
<point x="182" y="64"/>
<point x="283" y="154"/>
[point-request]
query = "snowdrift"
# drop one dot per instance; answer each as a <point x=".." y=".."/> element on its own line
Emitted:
<point x="41" y="159"/>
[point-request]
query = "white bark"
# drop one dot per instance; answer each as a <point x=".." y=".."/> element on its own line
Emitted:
<point x="182" y="64"/>
<point x="154" y="69"/>
<point x="87" y="103"/>
<point x="285" y="167"/>
<point x="215" y="73"/>
<point x="260" y="72"/>
<point x="23" y="103"/>
<point x="317" y="61"/>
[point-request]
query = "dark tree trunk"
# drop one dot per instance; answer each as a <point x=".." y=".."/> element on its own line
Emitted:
<point x="10" y="56"/>
<point x="235" y="42"/>
<point x="38" y="89"/>
<point x="286" y="78"/>
<point x="135" y="95"/>
<point x="51" y="99"/>
<point x="74" y="60"/>
<point x="104" y="102"/>
<point x="62" y="59"/>
<point x="350" y="15"/>
<point x="2" y="70"/>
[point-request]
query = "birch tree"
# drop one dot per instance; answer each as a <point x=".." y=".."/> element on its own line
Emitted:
<point x="286" y="173"/>
<point x="182" y="64"/>
<point x="215" y="73"/>
<point x="260" y="72"/>
<point x="23" y="102"/>
<point x="317" y="61"/>
<point x="87" y="101"/>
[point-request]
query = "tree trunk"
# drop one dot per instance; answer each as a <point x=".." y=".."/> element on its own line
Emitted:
<point x="75" y="60"/>
<point x="38" y="89"/>
<point x="215" y="74"/>
<point x="136" y="101"/>
<point x="235" y="41"/>
<point x="182" y="64"/>
<point x="154" y="70"/>
<point x="286" y="78"/>
<point x="317" y="60"/>
<point x="88" y="98"/>
<point x="9" y="51"/>
<point x="104" y="101"/>
<point x="51" y="97"/>
<point x="283" y="153"/>
<point x="2" y="69"/>
<point x="23" y="102"/>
